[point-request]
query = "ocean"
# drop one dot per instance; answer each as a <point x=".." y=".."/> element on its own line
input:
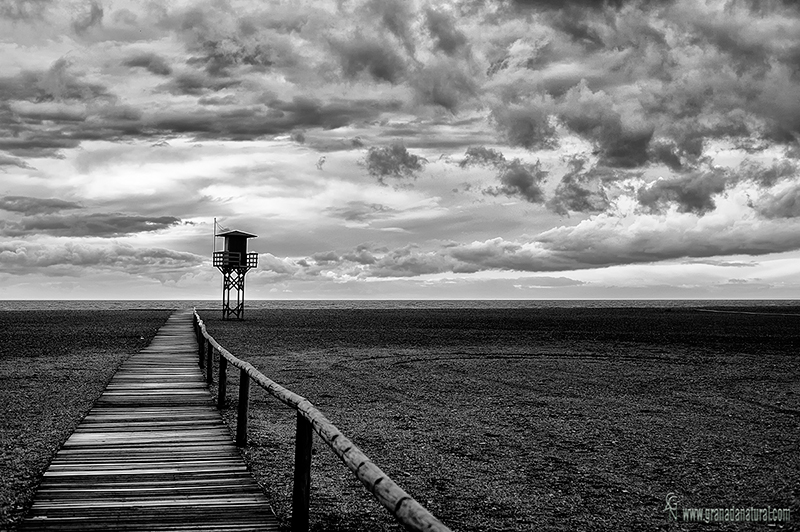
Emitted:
<point x="157" y="304"/>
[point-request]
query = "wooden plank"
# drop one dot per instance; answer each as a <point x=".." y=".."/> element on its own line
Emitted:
<point x="153" y="454"/>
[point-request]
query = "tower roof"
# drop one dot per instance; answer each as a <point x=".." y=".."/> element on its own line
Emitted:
<point x="236" y="233"/>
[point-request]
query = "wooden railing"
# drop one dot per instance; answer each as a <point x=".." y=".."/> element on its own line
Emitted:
<point x="411" y="514"/>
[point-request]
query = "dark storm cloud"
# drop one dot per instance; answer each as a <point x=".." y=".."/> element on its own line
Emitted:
<point x="442" y="29"/>
<point x="5" y="160"/>
<point x="527" y="126"/>
<point x="444" y="83"/>
<point x="395" y="17"/>
<point x="784" y="204"/>
<point x="278" y="117"/>
<point x="667" y="153"/>
<point x="767" y="175"/>
<point x="693" y="192"/>
<point x="392" y="161"/>
<point x="592" y="115"/>
<point x="580" y="190"/>
<point x="226" y="42"/>
<point x="56" y="83"/>
<point x="196" y="84"/>
<point x="520" y="179"/>
<point x="154" y="63"/>
<point x="322" y="144"/>
<point x="93" y="17"/>
<point x="562" y="4"/>
<point x="37" y="145"/>
<point x="29" y="206"/>
<point x="376" y="57"/>
<point x="516" y="177"/>
<point x="311" y="112"/>
<point x="105" y="225"/>
<point x="30" y="113"/>
<point x="640" y="98"/>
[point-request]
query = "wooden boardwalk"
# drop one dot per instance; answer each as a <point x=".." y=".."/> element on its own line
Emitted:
<point x="153" y="454"/>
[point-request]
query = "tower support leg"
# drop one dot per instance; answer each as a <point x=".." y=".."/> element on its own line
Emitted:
<point x="233" y="281"/>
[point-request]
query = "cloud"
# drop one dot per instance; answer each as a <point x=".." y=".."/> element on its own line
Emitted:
<point x="600" y="241"/>
<point x="442" y="29"/>
<point x="444" y="83"/>
<point x="82" y="225"/>
<point x="767" y="175"/>
<point x="607" y="240"/>
<point x="5" y="160"/>
<point x="196" y="84"/>
<point x="270" y="263"/>
<point x="527" y="126"/>
<point x="24" y="9"/>
<point x="783" y="204"/>
<point x="153" y="63"/>
<point x="79" y="259"/>
<point x="516" y="177"/>
<point x="93" y="18"/>
<point x="560" y="4"/>
<point x="482" y="156"/>
<point x="36" y="144"/>
<point x="29" y="206"/>
<point x="638" y="97"/>
<point x="392" y="161"/>
<point x="623" y="141"/>
<point x="407" y="262"/>
<point x="693" y="192"/>
<point x="580" y="190"/>
<point x="254" y="121"/>
<point x="360" y="211"/>
<point x="520" y="179"/>
<point x="359" y="53"/>
<point x="54" y="84"/>
<point x="361" y="255"/>
<point x="395" y="17"/>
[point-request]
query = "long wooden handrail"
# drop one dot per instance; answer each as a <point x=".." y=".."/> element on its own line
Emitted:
<point x="400" y="504"/>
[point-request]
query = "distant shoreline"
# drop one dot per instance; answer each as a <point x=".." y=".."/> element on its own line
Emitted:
<point x="257" y="304"/>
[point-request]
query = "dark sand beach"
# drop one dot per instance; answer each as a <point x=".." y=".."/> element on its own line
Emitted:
<point x="523" y="419"/>
<point x="53" y="366"/>
<point x="494" y="419"/>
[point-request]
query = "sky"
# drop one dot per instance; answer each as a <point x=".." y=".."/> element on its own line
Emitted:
<point x="414" y="149"/>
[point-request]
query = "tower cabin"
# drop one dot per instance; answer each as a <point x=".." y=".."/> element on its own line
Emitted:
<point x="234" y="262"/>
<point x="235" y="253"/>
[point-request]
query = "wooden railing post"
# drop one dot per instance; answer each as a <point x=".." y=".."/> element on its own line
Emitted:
<point x="200" y="353"/>
<point x="241" y="412"/>
<point x="223" y="381"/>
<point x="303" y="444"/>
<point x="209" y="363"/>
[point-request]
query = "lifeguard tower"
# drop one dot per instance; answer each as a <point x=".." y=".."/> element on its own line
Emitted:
<point x="234" y="263"/>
